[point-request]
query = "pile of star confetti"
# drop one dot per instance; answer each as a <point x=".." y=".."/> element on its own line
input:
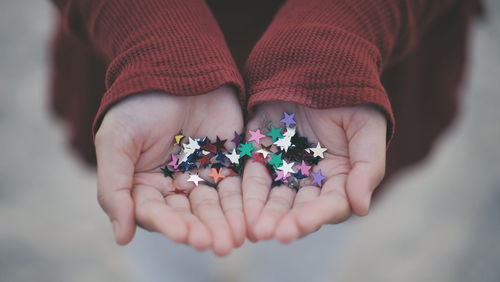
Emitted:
<point x="289" y="158"/>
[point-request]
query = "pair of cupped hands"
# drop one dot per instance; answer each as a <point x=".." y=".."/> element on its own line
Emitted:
<point x="136" y="139"/>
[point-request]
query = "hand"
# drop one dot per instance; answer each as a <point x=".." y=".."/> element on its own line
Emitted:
<point x="136" y="138"/>
<point x="353" y="165"/>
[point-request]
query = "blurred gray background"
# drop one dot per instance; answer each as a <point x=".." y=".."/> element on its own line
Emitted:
<point x="439" y="222"/>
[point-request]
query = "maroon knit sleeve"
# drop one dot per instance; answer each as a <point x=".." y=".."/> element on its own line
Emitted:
<point x="173" y="46"/>
<point x="331" y="53"/>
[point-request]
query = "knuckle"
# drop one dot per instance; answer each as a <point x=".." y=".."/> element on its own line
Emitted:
<point x="260" y="181"/>
<point x="226" y="194"/>
<point x="253" y="199"/>
<point x="233" y="210"/>
<point x="206" y="203"/>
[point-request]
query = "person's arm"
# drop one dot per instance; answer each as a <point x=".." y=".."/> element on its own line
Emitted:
<point x="172" y="46"/>
<point x="323" y="60"/>
<point x="160" y="52"/>
<point x="331" y="53"/>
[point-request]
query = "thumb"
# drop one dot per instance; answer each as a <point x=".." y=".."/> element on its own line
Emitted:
<point x="367" y="149"/>
<point x="115" y="170"/>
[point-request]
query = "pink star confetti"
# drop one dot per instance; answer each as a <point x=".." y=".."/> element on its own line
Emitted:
<point x="173" y="162"/>
<point x="304" y="168"/>
<point x="281" y="176"/>
<point x="255" y="136"/>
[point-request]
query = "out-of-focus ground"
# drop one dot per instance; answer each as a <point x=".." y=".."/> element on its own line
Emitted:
<point x="439" y="222"/>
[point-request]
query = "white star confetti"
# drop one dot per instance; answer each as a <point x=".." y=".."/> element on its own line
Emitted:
<point x="233" y="157"/>
<point x="287" y="167"/>
<point x="284" y="143"/>
<point x="318" y="151"/>
<point x="195" y="178"/>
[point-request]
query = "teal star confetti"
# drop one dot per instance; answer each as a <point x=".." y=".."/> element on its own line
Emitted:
<point x="276" y="160"/>
<point x="246" y="149"/>
<point x="274" y="133"/>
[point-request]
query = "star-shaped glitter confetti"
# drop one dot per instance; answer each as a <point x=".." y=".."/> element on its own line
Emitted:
<point x="303" y="168"/>
<point x="284" y="143"/>
<point x="202" y="141"/>
<point x="216" y="175"/>
<point x="186" y="166"/>
<point x="288" y="119"/>
<point x="220" y="144"/>
<point x="286" y="167"/>
<point x="233" y="157"/>
<point x="193" y="145"/>
<point x="220" y="157"/>
<point x="258" y="158"/>
<point x="237" y="139"/>
<point x="184" y="155"/>
<point x="255" y="136"/>
<point x="276" y="160"/>
<point x="209" y="147"/>
<point x="265" y="150"/>
<point x="300" y="143"/>
<point x="195" y="178"/>
<point x="166" y="172"/>
<point x="246" y="149"/>
<point x="318" y="178"/>
<point x="280" y="175"/>
<point x="299" y="175"/>
<point x="274" y="133"/>
<point x="217" y="165"/>
<point x="204" y="160"/>
<point x="180" y="191"/>
<point x="318" y="151"/>
<point x="178" y="138"/>
<point x="173" y="162"/>
<point x="290" y="132"/>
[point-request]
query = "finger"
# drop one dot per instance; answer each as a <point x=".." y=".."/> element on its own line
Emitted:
<point x="115" y="170"/>
<point x="279" y="203"/>
<point x="330" y="207"/>
<point x="255" y="186"/>
<point x="205" y="205"/>
<point x="367" y="149"/>
<point x="287" y="230"/>
<point x="198" y="235"/>
<point x="152" y="213"/>
<point x="232" y="204"/>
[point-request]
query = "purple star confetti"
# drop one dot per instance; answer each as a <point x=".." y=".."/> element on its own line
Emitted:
<point x="318" y="178"/>
<point x="237" y="139"/>
<point x="288" y="119"/>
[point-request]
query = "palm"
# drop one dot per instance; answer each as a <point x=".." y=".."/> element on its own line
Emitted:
<point x="140" y="132"/>
<point x="353" y="166"/>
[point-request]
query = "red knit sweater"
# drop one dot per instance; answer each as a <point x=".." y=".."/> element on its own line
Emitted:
<point x="319" y="53"/>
